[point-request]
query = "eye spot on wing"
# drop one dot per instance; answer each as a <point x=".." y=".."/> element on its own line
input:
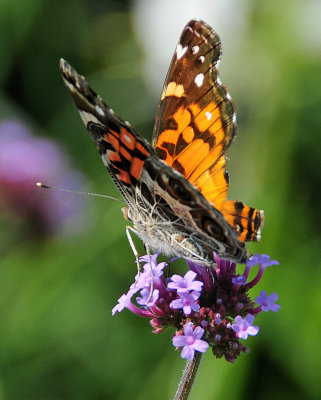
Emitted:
<point x="199" y="79"/>
<point x="180" y="51"/>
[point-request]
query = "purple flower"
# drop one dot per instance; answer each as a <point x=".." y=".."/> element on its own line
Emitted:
<point x="215" y="299"/>
<point x="239" y="280"/>
<point x="152" y="271"/>
<point x="263" y="261"/>
<point x="157" y="268"/>
<point x="243" y="327"/>
<point x="186" y="283"/>
<point x="191" y="341"/>
<point x="146" y="299"/>
<point x="267" y="302"/>
<point x="123" y="302"/>
<point x="186" y="301"/>
<point x="25" y="160"/>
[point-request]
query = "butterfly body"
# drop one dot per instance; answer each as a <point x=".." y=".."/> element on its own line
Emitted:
<point x="176" y="188"/>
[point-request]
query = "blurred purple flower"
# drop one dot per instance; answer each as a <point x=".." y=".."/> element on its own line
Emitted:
<point x="214" y="300"/>
<point x="25" y="160"/>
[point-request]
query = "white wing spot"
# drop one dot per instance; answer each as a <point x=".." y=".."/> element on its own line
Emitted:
<point x="234" y="119"/>
<point x="195" y="49"/>
<point x="127" y="138"/>
<point x="228" y="96"/>
<point x="218" y="80"/>
<point x="99" y="110"/>
<point x="111" y="111"/>
<point x="199" y="80"/>
<point x="127" y="124"/>
<point x="180" y="51"/>
<point x="202" y="59"/>
<point x="208" y="115"/>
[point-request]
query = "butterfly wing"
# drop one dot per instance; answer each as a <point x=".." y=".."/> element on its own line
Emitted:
<point x="123" y="150"/>
<point x="196" y="123"/>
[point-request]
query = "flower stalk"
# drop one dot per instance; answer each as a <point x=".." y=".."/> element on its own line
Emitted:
<point x="188" y="377"/>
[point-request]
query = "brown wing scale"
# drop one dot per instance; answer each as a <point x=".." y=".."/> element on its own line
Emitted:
<point x="196" y="123"/>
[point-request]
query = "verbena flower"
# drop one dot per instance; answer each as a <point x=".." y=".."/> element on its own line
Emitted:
<point x="191" y="341"/>
<point x="207" y="307"/>
<point x="243" y="326"/>
<point x="266" y="302"/>
<point x="25" y="160"/>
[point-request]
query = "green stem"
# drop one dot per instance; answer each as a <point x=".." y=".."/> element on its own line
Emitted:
<point x="188" y="376"/>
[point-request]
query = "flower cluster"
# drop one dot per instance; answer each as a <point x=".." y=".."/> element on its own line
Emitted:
<point x="24" y="160"/>
<point x="208" y="307"/>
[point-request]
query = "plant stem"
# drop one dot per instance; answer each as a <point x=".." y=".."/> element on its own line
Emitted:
<point x="188" y="376"/>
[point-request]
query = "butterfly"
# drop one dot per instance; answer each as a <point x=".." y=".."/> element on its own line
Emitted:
<point x="176" y="188"/>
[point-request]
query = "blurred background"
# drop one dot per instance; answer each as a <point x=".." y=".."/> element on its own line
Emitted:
<point x="65" y="259"/>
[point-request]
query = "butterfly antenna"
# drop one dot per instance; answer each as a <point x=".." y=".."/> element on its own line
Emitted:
<point x="42" y="185"/>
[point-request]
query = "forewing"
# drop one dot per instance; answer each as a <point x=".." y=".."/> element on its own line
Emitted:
<point x="123" y="150"/>
<point x="196" y="123"/>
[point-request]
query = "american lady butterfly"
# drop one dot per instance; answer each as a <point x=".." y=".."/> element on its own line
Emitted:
<point x="176" y="189"/>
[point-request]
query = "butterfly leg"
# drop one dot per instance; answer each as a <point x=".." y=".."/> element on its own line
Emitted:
<point x="132" y="245"/>
<point x="151" y="289"/>
<point x="130" y="229"/>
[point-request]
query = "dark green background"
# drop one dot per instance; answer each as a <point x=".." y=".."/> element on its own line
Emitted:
<point x="58" y="339"/>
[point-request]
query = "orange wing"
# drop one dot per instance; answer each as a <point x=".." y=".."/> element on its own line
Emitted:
<point x="196" y="123"/>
